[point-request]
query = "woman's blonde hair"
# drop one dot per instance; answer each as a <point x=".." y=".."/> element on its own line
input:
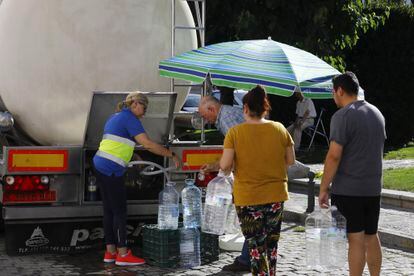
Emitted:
<point x="131" y="98"/>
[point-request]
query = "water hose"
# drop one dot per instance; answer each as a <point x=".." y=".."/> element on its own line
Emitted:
<point x="148" y="170"/>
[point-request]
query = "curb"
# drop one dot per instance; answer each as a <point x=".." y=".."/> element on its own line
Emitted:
<point x="392" y="198"/>
<point x="292" y="216"/>
<point x="396" y="241"/>
<point x="399" y="199"/>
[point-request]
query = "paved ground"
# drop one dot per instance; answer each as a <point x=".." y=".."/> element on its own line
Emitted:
<point x="291" y="262"/>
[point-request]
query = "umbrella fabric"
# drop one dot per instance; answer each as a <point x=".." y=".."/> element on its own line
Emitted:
<point x="322" y="88"/>
<point x="280" y="68"/>
<point x="326" y="87"/>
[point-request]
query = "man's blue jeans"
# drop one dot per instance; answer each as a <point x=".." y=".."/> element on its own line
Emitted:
<point x="244" y="258"/>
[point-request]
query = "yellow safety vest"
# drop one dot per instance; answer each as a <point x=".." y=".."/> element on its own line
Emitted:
<point x="116" y="148"/>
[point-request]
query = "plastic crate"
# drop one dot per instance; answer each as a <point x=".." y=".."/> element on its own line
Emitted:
<point x="160" y="247"/>
<point x="209" y="248"/>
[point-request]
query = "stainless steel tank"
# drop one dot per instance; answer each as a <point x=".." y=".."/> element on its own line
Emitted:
<point x="53" y="54"/>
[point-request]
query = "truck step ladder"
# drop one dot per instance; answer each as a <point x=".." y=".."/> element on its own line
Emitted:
<point x="199" y="7"/>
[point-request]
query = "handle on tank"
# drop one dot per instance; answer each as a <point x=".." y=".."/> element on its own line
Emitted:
<point x="149" y="163"/>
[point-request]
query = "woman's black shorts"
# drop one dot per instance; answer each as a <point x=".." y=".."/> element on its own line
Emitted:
<point x="361" y="212"/>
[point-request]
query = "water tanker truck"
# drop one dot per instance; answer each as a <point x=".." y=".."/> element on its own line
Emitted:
<point x="63" y="64"/>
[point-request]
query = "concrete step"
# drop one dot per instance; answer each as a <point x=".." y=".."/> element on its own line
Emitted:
<point x="400" y="199"/>
<point x="390" y="198"/>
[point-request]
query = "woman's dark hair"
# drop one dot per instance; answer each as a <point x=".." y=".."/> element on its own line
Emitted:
<point x="257" y="102"/>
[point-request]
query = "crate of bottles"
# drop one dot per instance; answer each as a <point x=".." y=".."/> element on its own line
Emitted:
<point x="209" y="248"/>
<point x="160" y="248"/>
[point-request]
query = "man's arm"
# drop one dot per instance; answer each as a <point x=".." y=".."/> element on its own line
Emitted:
<point x="309" y="106"/>
<point x="305" y="115"/>
<point x="331" y="166"/>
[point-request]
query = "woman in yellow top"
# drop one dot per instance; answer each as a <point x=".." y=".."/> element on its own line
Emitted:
<point x="259" y="151"/>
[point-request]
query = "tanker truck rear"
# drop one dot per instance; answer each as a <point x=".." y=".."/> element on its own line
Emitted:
<point x="55" y="55"/>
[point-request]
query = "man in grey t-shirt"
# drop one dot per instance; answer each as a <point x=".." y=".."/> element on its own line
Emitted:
<point x="354" y="167"/>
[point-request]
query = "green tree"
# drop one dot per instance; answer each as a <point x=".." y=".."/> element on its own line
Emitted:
<point x="329" y="29"/>
<point x="325" y="28"/>
<point x="383" y="59"/>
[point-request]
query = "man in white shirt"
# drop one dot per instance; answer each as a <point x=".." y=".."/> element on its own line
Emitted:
<point x="305" y="115"/>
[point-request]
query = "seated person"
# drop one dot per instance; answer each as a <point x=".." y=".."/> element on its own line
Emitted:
<point x="305" y="115"/>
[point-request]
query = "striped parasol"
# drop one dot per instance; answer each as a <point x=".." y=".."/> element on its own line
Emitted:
<point x="328" y="86"/>
<point x="280" y="68"/>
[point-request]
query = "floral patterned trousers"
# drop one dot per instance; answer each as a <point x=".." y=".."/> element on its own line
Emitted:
<point x="261" y="225"/>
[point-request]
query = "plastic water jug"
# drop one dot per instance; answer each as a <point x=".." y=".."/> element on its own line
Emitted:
<point x="168" y="207"/>
<point x="217" y="204"/>
<point x="191" y="200"/>
<point x="317" y="226"/>
<point x="232" y="225"/>
<point x="338" y="253"/>
<point x="189" y="247"/>
<point x="326" y="241"/>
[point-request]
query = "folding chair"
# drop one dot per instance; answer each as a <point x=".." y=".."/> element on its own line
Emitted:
<point x="311" y="131"/>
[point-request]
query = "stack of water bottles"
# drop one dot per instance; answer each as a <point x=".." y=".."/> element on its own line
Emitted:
<point x="189" y="234"/>
<point x="168" y="219"/>
<point x="219" y="216"/>
<point x="161" y="241"/>
<point x="326" y="241"/>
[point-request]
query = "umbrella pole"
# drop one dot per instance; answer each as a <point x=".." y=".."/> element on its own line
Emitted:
<point x="203" y="93"/>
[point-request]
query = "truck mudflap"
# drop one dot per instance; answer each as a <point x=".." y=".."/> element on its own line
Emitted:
<point x="67" y="236"/>
<point x="66" y="229"/>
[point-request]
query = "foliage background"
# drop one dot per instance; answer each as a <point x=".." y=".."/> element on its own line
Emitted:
<point x="383" y="59"/>
<point x="374" y="40"/>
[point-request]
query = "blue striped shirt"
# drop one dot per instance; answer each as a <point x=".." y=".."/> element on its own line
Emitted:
<point x="228" y="117"/>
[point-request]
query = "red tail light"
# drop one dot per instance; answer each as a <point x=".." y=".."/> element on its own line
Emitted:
<point x="27" y="188"/>
<point x="29" y="197"/>
<point x="19" y="180"/>
<point x="25" y="183"/>
<point x="202" y="180"/>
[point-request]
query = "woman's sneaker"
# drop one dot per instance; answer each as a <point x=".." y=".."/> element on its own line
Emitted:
<point x="128" y="259"/>
<point x="109" y="257"/>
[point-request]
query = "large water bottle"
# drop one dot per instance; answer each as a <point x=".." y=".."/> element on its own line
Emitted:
<point x="191" y="200"/>
<point x="189" y="247"/>
<point x="317" y="226"/>
<point x="233" y="224"/>
<point x="338" y="253"/>
<point x="168" y="207"/>
<point x="217" y="203"/>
